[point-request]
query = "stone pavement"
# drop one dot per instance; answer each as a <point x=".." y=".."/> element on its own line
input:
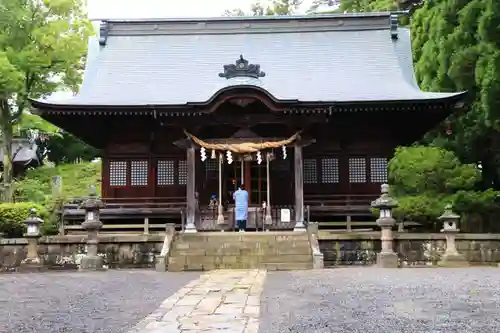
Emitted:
<point x="219" y="301"/>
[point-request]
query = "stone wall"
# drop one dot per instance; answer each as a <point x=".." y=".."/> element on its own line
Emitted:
<point x="413" y="249"/>
<point x="118" y="251"/>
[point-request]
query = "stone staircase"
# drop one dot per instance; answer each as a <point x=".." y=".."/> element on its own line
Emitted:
<point x="233" y="250"/>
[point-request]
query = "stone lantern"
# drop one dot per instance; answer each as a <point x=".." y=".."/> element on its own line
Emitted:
<point x="32" y="262"/>
<point x="451" y="257"/>
<point x="92" y="224"/>
<point x="387" y="258"/>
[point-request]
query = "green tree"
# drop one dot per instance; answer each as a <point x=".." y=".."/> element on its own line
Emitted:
<point x="425" y="179"/>
<point x="42" y="48"/>
<point x="66" y="148"/>
<point x="274" y="7"/>
<point x="430" y="170"/>
<point x="457" y="47"/>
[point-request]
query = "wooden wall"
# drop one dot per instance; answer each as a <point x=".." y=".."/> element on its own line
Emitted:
<point x="349" y="156"/>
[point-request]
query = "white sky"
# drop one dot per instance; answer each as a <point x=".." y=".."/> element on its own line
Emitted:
<point x="108" y="9"/>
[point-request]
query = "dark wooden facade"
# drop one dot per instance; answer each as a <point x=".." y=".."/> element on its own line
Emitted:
<point x="335" y="169"/>
<point x="344" y="162"/>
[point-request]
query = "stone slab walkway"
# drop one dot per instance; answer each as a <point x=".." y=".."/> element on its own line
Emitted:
<point x="219" y="301"/>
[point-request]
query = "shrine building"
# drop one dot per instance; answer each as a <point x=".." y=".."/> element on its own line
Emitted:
<point x="305" y="111"/>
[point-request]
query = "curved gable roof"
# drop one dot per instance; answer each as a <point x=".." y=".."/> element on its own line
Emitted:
<point x="327" y="58"/>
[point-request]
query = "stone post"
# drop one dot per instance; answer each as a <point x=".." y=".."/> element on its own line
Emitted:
<point x="92" y="261"/>
<point x="32" y="262"/>
<point x="318" y="257"/>
<point x="161" y="260"/>
<point x="451" y="257"/>
<point x="387" y="258"/>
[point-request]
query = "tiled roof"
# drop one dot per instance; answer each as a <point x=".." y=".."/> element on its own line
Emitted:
<point x="328" y="58"/>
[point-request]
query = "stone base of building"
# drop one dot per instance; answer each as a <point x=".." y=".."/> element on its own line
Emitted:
<point x="92" y="263"/>
<point x="453" y="260"/>
<point x="387" y="260"/>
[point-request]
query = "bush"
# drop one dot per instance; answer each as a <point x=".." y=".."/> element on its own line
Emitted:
<point x="36" y="186"/>
<point x="13" y="215"/>
<point x="420" y="208"/>
<point x="429" y="170"/>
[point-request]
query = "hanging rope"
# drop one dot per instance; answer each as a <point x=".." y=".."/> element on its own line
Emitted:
<point x="244" y="147"/>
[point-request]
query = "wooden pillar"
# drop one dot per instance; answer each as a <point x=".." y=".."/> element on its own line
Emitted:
<point x="190" y="190"/>
<point x="299" y="187"/>
<point x="220" y="210"/>
<point x="268" y="220"/>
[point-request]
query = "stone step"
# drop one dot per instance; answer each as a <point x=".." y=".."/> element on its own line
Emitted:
<point x="231" y="259"/>
<point x="229" y="237"/>
<point x="182" y="245"/>
<point x="231" y="250"/>
<point x="178" y="267"/>
<point x="235" y="251"/>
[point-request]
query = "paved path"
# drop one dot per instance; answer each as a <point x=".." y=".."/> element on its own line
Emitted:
<point x="219" y="301"/>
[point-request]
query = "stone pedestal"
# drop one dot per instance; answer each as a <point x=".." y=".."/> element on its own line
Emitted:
<point x="387" y="258"/>
<point x="92" y="224"/>
<point x="451" y="257"/>
<point x="92" y="261"/>
<point x="32" y="262"/>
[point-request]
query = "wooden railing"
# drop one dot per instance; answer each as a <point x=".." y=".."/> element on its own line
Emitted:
<point x="340" y="203"/>
<point x="152" y="212"/>
<point x="130" y="206"/>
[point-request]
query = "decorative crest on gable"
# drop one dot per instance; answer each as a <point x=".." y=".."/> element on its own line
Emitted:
<point x="242" y="69"/>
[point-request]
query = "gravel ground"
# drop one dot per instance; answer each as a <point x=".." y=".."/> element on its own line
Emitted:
<point x="100" y="302"/>
<point x="376" y="300"/>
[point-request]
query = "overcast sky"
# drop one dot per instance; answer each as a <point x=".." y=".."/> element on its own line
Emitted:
<point x="99" y="9"/>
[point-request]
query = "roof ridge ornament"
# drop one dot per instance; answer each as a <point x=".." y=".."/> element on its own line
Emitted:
<point x="242" y="69"/>
<point x="394" y="26"/>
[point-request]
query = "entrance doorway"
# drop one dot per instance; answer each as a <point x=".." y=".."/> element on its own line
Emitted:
<point x="252" y="175"/>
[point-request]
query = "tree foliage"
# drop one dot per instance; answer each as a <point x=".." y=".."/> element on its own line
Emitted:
<point x="425" y="179"/>
<point x="42" y="48"/>
<point x="66" y="148"/>
<point x="266" y="8"/>
<point x="457" y="47"/>
<point x="430" y="170"/>
<point x="76" y="180"/>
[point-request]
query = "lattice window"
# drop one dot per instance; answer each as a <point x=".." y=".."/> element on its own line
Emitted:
<point x="378" y="170"/>
<point x="310" y="171"/>
<point x="329" y="170"/>
<point x="357" y="170"/>
<point x="183" y="172"/>
<point x="165" y="172"/>
<point x="139" y="173"/>
<point x="117" y="173"/>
